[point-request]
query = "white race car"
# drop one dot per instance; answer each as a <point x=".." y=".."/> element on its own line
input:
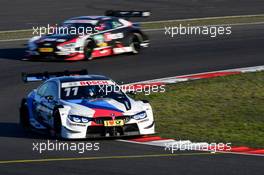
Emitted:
<point x="76" y="105"/>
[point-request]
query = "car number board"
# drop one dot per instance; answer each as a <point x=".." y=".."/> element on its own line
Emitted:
<point x="46" y="49"/>
<point x="111" y="123"/>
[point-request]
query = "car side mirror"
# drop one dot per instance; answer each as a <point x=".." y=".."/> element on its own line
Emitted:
<point x="99" y="28"/>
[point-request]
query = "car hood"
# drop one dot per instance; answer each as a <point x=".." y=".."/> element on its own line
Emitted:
<point x="102" y="107"/>
<point x="57" y="38"/>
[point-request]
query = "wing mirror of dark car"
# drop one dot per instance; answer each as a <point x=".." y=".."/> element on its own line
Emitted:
<point x="49" y="97"/>
<point x="99" y="28"/>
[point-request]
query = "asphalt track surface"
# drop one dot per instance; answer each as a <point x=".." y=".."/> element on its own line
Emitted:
<point x="15" y="14"/>
<point x="166" y="57"/>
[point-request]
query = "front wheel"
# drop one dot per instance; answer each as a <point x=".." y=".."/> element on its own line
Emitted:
<point x="24" y="115"/>
<point x="56" y="132"/>
<point x="88" y="49"/>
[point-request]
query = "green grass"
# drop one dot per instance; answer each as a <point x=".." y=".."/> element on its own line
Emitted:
<point x="224" y="109"/>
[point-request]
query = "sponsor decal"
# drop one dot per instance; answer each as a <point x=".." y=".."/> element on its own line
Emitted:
<point x="96" y="82"/>
<point x="99" y="38"/>
<point x="120" y="50"/>
<point x="110" y="36"/>
<point x="46" y="49"/>
<point x="102" y="44"/>
<point x="87" y="83"/>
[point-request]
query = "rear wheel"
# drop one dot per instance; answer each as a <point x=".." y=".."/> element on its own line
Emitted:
<point x="135" y="41"/>
<point x="24" y="115"/>
<point x="88" y="49"/>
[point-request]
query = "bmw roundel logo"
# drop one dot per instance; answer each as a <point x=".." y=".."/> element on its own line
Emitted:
<point x="113" y="116"/>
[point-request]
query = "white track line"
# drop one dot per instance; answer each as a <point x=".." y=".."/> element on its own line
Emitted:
<point x="157" y="143"/>
<point x="168" y="79"/>
<point x="10" y="40"/>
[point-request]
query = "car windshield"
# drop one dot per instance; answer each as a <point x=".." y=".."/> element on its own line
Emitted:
<point x="77" y="25"/>
<point x="79" y="28"/>
<point x="91" y="92"/>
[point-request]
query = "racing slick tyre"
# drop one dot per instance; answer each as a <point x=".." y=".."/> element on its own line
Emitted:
<point x="134" y="43"/>
<point x="56" y="131"/>
<point x="24" y="115"/>
<point x="88" y="49"/>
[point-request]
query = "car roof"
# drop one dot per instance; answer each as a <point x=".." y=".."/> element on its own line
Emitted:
<point x="79" y="78"/>
<point x="91" y="18"/>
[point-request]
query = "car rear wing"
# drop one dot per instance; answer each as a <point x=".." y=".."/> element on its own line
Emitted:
<point x="33" y="77"/>
<point x="127" y="14"/>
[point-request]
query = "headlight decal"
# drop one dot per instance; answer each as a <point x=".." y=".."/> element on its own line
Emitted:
<point x="140" y="116"/>
<point x="68" y="44"/>
<point x="79" y="119"/>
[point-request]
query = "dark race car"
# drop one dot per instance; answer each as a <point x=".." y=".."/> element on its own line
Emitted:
<point x="88" y="37"/>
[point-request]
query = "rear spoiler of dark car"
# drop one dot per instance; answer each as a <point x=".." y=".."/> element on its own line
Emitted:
<point x="127" y="14"/>
<point x="33" y="77"/>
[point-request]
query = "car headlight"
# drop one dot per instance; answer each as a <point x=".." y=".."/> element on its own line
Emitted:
<point x="32" y="46"/>
<point x="79" y="119"/>
<point x="70" y="45"/>
<point x="140" y="115"/>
